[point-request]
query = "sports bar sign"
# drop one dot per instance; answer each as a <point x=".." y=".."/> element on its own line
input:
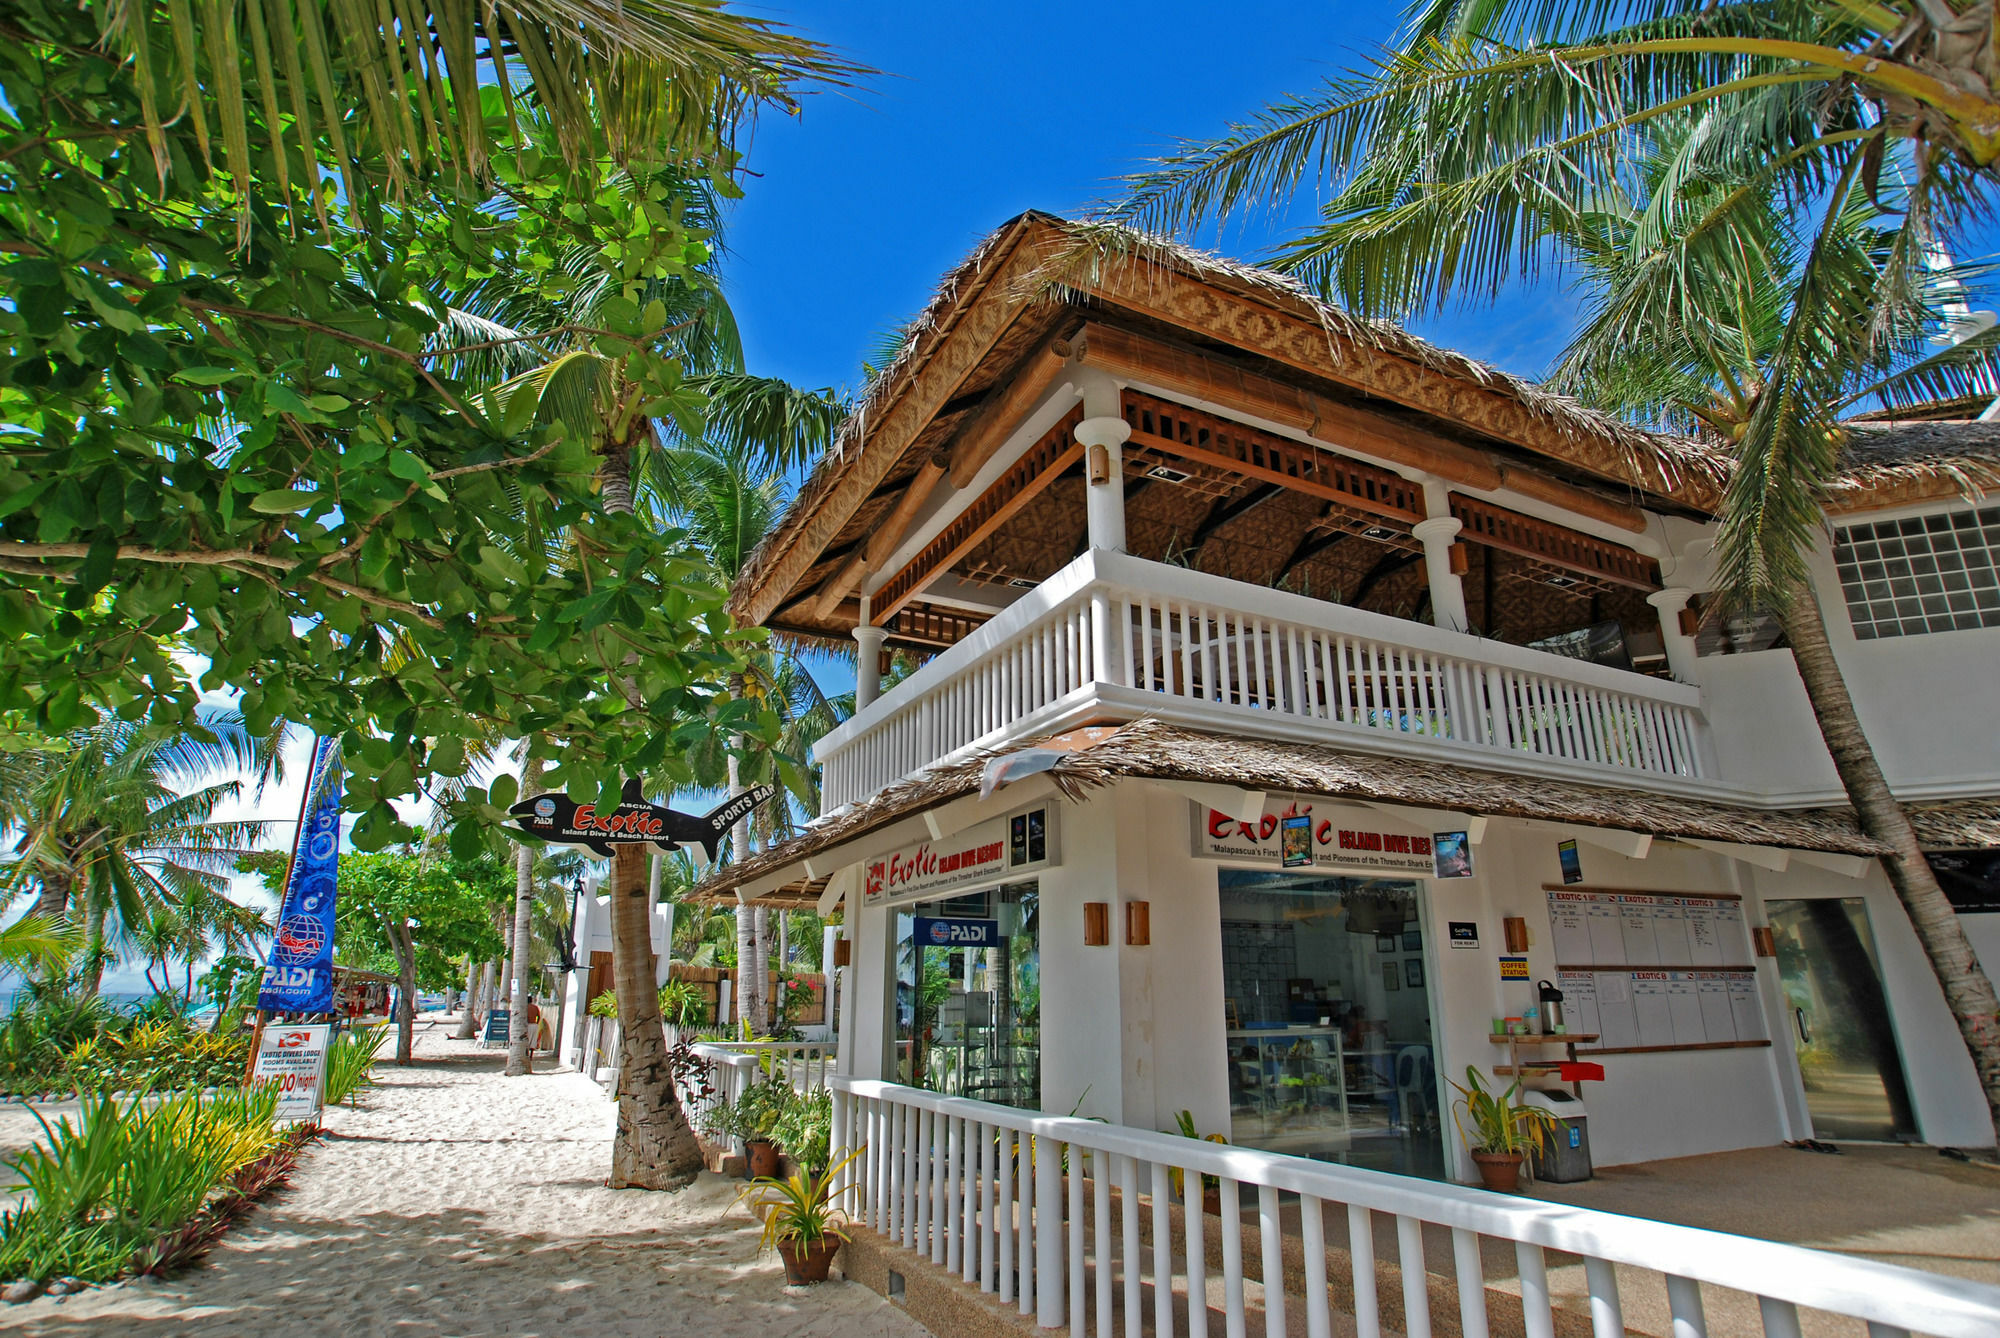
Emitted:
<point x="1337" y="836"/>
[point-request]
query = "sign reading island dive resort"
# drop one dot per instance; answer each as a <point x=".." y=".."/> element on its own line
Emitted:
<point x="1340" y="837"/>
<point x="558" y="818"/>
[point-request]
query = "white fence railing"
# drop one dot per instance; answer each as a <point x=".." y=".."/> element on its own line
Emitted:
<point x="1212" y="650"/>
<point x="1022" y="1205"/>
<point x="731" y="1067"/>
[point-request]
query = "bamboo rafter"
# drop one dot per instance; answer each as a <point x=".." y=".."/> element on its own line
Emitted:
<point x="1040" y="466"/>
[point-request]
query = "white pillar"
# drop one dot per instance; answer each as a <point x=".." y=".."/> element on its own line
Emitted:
<point x="868" y="640"/>
<point x="1681" y="654"/>
<point x="1438" y="535"/>
<point x="1102" y="434"/>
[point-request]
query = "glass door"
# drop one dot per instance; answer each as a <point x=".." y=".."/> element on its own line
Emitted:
<point x="968" y="1018"/>
<point x="1327" y="1014"/>
<point x="1839" y="1020"/>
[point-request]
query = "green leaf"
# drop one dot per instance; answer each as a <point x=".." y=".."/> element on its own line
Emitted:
<point x="278" y="501"/>
<point x="405" y="465"/>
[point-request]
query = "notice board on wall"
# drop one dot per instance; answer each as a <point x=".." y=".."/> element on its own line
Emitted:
<point x="1655" y="970"/>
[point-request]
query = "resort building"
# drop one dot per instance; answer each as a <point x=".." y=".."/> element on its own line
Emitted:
<point x="1258" y="708"/>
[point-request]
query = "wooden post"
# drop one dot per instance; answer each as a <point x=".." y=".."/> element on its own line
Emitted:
<point x="256" y="1039"/>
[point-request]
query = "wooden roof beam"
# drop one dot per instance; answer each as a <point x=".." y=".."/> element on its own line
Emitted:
<point x="1179" y="371"/>
<point x="1005" y="408"/>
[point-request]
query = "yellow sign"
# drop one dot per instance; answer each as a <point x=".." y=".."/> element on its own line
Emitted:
<point x="1513" y="968"/>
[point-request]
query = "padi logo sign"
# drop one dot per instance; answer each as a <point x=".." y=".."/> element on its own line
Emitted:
<point x="957" y="933"/>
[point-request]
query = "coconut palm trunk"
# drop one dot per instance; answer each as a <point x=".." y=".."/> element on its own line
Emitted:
<point x="519" y="1035"/>
<point x="468" y="1026"/>
<point x="1967" y="989"/>
<point x="655" y="1146"/>
<point x="406" y="979"/>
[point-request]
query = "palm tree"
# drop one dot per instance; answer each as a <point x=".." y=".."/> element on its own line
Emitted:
<point x="118" y="819"/>
<point x="377" y="95"/>
<point x="1802" y="165"/>
<point x="35" y="943"/>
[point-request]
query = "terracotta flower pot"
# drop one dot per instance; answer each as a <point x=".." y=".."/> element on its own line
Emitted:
<point x="805" y="1263"/>
<point x="1499" y="1171"/>
<point x="760" y="1158"/>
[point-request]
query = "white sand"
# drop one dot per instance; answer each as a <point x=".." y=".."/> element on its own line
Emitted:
<point x="454" y="1201"/>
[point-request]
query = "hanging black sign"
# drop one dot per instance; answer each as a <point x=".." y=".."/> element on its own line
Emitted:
<point x="1970" y="878"/>
<point x="558" y="818"/>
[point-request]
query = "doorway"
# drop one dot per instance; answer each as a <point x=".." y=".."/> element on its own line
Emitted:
<point x="968" y="1018"/>
<point x="1839" y="1019"/>
<point x="1328" y="1020"/>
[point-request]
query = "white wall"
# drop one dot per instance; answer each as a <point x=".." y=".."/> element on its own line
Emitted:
<point x="1925" y="703"/>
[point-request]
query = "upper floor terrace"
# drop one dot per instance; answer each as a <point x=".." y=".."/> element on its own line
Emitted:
<point x="1171" y="487"/>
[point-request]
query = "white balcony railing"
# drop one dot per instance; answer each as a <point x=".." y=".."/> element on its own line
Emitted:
<point x="1113" y="634"/>
<point x="1072" y="1220"/>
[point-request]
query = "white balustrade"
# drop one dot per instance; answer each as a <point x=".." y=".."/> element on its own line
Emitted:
<point x="979" y="1189"/>
<point x="1138" y="637"/>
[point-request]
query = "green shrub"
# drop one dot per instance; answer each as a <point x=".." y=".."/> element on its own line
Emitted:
<point x="804" y="1129"/>
<point x="350" y="1062"/>
<point x="683" y="1004"/>
<point x="157" y="1056"/>
<point x="126" y="1173"/>
<point x="605" y="1004"/>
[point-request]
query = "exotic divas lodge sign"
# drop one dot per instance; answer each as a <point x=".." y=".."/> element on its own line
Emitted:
<point x="558" y="818"/>
<point x="1305" y="833"/>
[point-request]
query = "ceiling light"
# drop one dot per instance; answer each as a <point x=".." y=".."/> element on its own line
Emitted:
<point x="1560" y="582"/>
<point x="1378" y="532"/>
<point x="1168" y="474"/>
<point x="1022" y="583"/>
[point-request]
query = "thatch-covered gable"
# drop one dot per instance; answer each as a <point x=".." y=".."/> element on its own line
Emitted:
<point x="1898" y="463"/>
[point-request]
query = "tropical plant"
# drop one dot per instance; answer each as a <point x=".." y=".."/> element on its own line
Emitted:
<point x="1185" y="1126"/>
<point x="1756" y="195"/>
<point x="804" y="1129"/>
<point x="38" y="943"/>
<point x="684" y="1004"/>
<point x="163" y="1054"/>
<point x="754" y="1114"/>
<point x="605" y="1004"/>
<point x="118" y="829"/>
<point x="1495" y="1122"/>
<point x="350" y="1062"/>
<point x="799" y="1209"/>
<point x="110" y="1182"/>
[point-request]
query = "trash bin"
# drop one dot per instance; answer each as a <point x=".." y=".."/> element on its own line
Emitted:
<point x="1565" y="1154"/>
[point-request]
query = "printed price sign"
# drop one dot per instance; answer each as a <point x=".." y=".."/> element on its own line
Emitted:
<point x="294" y="1059"/>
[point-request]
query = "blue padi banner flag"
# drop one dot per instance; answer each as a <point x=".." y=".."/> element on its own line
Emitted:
<point x="957" y="933"/>
<point x="299" y="978"/>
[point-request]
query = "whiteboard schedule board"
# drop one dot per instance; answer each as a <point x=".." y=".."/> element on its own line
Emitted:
<point x="294" y="1059"/>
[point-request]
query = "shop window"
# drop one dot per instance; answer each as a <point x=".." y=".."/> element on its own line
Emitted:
<point x="968" y="1019"/>
<point x="1328" y="1020"/>
<point x="1936" y="573"/>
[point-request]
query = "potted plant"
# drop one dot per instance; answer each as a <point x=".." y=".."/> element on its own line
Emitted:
<point x="800" y="1219"/>
<point x="1498" y="1132"/>
<point x="1211" y="1186"/>
<point x="804" y="1130"/>
<point x="751" y="1121"/>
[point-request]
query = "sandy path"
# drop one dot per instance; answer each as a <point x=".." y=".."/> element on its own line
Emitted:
<point x="457" y="1202"/>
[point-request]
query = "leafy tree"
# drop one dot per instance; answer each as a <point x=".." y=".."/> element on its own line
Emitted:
<point x="34" y="943"/>
<point x="117" y="821"/>
<point x="1755" y="194"/>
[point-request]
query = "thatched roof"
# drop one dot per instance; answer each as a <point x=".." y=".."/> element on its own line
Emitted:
<point x="1957" y="824"/>
<point x="1019" y="281"/>
<point x="1919" y="460"/>
<point x="1150" y="750"/>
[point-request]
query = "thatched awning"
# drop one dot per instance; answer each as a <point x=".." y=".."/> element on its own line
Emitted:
<point x="1957" y="824"/>
<point x="1884" y="464"/>
<point x="1150" y="750"/>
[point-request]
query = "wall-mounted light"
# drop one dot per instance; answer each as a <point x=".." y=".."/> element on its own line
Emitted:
<point x="1690" y="622"/>
<point x="1763" y="941"/>
<point x="1461" y="563"/>
<point x="1514" y="930"/>
<point x="1096" y="924"/>
<point x="1100" y="464"/>
<point x="1138" y="924"/>
<point x="843" y="952"/>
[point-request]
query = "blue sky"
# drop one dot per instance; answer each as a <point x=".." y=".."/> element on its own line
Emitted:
<point x="866" y="199"/>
